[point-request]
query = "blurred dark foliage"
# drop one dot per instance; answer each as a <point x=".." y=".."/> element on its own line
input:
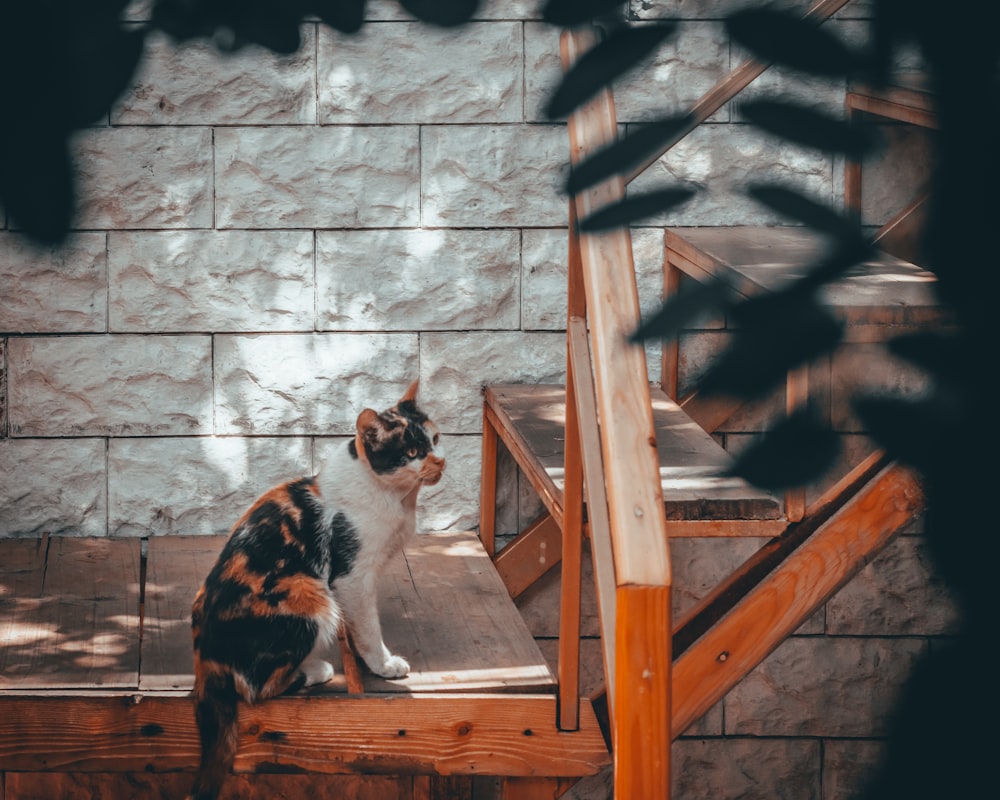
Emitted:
<point x="938" y="746"/>
<point x="65" y="62"/>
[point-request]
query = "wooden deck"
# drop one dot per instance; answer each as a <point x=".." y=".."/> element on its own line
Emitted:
<point x="96" y="671"/>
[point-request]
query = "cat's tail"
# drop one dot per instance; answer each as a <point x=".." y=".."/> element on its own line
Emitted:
<point x="215" y="713"/>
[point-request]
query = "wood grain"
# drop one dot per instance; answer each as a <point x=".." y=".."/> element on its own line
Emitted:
<point x="391" y="735"/>
<point x="70" y="613"/>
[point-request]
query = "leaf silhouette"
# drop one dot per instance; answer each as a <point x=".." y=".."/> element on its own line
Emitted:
<point x="568" y="13"/>
<point x="346" y="16"/>
<point x="797" y="450"/>
<point x="918" y="431"/>
<point x="774" y="35"/>
<point x="778" y="331"/>
<point x="806" y="126"/>
<point x="603" y="63"/>
<point x="624" y="153"/>
<point x="631" y="209"/>
<point x="446" y="13"/>
<point x="104" y="61"/>
<point x="36" y="182"/>
<point x="810" y="212"/>
<point x="692" y="302"/>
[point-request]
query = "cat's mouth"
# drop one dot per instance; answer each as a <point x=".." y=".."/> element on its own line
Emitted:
<point x="431" y="472"/>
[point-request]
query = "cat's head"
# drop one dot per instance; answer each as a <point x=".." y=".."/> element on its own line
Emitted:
<point x="401" y="444"/>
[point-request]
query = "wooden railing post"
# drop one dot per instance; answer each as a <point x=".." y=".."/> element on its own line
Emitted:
<point x="641" y="690"/>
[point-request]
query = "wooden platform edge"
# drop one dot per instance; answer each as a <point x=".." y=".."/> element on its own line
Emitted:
<point x="506" y="735"/>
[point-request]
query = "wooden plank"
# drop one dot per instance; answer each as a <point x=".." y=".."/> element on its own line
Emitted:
<point x="601" y="549"/>
<point x="572" y="546"/>
<point x="175" y="568"/>
<point x="693" y="486"/>
<point x="796" y="398"/>
<point x="790" y="594"/>
<point x="488" y="485"/>
<point x="80" y="626"/>
<point x="883" y="291"/>
<point x="22" y="574"/>
<point x="484" y="647"/>
<point x="642" y="692"/>
<point x="738" y="584"/>
<point x="532" y="788"/>
<point x="628" y="440"/>
<point x="535" y="551"/>
<point x="693" y="467"/>
<point x="541" y="467"/>
<point x="906" y="98"/>
<point x="170" y="786"/>
<point x="387" y="734"/>
<point x="445" y="609"/>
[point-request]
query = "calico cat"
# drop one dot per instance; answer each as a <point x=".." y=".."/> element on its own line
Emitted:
<point x="303" y="558"/>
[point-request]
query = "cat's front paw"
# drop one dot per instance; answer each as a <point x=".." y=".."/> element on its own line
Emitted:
<point x="392" y="667"/>
<point x="317" y="671"/>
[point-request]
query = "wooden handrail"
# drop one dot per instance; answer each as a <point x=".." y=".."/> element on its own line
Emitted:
<point x="642" y="662"/>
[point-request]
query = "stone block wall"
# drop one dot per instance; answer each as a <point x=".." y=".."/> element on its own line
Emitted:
<point x="264" y="246"/>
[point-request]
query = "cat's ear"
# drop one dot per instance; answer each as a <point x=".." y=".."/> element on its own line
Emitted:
<point x="368" y="427"/>
<point x="411" y="393"/>
<point x="366" y="419"/>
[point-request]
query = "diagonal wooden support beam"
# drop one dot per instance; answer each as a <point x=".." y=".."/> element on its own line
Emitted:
<point x="792" y="592"/>
<point x="534" y="552"/>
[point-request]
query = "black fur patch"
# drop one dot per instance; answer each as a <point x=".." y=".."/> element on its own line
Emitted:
<point x="344" y="546"/>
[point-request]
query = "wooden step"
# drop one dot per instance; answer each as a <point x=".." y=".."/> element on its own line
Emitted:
<point x="881" y="295"/>
<point x="70" y="617"/>
<point x="907" y="97"/>
<point x="700" y="499"/>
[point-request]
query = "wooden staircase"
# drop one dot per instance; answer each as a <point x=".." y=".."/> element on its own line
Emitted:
<point x="626" y="465"/>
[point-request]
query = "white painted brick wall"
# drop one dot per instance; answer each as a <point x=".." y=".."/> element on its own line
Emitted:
<point x="268" y="244"/>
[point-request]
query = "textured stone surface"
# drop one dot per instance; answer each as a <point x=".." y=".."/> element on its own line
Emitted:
<point x="417" y="280"/>
<point x="317" y="177"/>
<point x="53" y="486"/>
<point x="684" y="67"/>
<point x="723" y="160"/>
<point x="195" y="485"/>
<point x="455" y="367"/>
<point x="493" y="176"/>
<point x="144" y="178"/>
<point x="734" y="769"/>
<point x="869" y="368"/>
<point x="110" y="386"/>
<point x="411" y="72"/>
<point x="192" y="83"/>
<point x="211" y="281"/>
<point x="543" y="276"/>
<point x="308" y="384"/>
<point x="899" y="593"/>
<point x="847" y="766"/>
<point x="819" y="686"/>
<point x="53" y="290"/>
<point x="896" y="173"/>
<point x="485" y="9"/>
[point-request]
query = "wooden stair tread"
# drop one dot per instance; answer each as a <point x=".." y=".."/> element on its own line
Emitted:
<point x="906" y="97"/>
<point x="70" y="617"/>
<point x="693" y="465"/>
<point x="883" y="291"/>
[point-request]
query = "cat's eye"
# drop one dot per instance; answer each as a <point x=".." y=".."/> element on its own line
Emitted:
<point x="412" y="452"/>
<point x="434" y="441"/>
